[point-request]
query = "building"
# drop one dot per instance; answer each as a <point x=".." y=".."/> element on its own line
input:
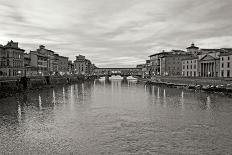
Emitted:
<point x="79" y="65"/>
<point x="171" y="63"/>
<point x="155" y="65"/>
<point x="62" y="64"/>
<point x="2" y="61"/>
<point x="82" y="65"/>
<point x="70" y="67"/>
<point x="47" y="62"/>
<point x="11" y="60"/>
<point x="226" y="63"/>
<point x="194" y="50"/>
<point x="92" y="69"/>
<point x="51" y="60"/>
<point x="209" y="62"/>
<point x="88" y="66"/>
<point x="190" y="66"/>
<point x="145" y="69"/>
<point x="55" y="67"/>
<point x="40" y="62"/>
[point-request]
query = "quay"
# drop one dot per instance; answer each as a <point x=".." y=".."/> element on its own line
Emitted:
<point x="12" y="85"/>
<point x="221" y="85"/>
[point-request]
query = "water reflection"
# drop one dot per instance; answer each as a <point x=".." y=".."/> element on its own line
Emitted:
<point x="103" y="115"/>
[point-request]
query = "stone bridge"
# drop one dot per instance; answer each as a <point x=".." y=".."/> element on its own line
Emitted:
<point x="124" y="72"/>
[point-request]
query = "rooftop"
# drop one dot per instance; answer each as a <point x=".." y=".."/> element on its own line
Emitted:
<point x="160" y="53"/>
<point x="192" y="47"/>
<point x="227" y="53"/>
<point x="190" y="58"/>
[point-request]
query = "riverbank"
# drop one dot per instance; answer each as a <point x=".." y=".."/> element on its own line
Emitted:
<point x="11" y="86"/>
<point x="220" y="85"/>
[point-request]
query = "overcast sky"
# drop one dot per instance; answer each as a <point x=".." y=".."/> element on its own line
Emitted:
<point x="117" y="33"/>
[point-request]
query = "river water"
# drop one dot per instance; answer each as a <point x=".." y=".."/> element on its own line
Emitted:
<point x="115" y="117"/>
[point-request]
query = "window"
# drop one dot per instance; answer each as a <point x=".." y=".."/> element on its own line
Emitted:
<point x="183" y="67"/>
<point x="187" y="66"/>
<point x="191" y="67"/>
<point x="222" y="58"/>
<point x="228" y="73"/>
<point x="222" y="65"/>
<point x="195" y="66"/>
<point x="194" y="73"/>
<point x="187" y="62"/>
<point x="228" y="65"/>
<point x="222" y="73"/>
<point x="228" y="57"/>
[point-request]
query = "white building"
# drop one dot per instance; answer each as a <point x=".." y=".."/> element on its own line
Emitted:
<point x="190" y="67"/>
<point x="226" y="63"/>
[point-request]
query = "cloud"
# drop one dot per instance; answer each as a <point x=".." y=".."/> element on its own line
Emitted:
<point x="116" y="32"/>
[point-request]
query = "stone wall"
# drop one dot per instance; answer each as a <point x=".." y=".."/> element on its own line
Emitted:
<point x="10" y="86"/>
<point x="195" y="80"/>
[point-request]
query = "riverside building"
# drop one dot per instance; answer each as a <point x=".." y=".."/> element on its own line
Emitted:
<point x="226" y="63"/>
<point x="209" y="62"/>
<point x="11" y="60"/>
<point x="83" y="66"/>
<point x="190" y="67"/>
<point x="171" y="64"/>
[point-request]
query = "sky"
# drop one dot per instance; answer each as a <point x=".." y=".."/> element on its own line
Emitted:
<point x="116" y="33"/>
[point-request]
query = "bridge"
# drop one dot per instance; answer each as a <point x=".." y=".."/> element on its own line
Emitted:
<point x="124" y="72"/>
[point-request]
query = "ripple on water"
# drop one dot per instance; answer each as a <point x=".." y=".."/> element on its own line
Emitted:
<point x="115" y="118"/>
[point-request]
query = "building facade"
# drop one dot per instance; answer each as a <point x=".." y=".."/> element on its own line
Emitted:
<point x="11" y="60"/>
<point x="209" y="62"/>
<point x="62" y="64"/>
<point x="171" y="64"/>
<point x="82" y="66"/>
<point x="2" y="61"/>
<point x="190" y="67"/>
<point x="226" y="63"/>
<point x="40" y="62"/>
<point x="70" y="67"/>
<point x="155" y="62"/>
<point x="47" y="62"/>
<point x="194" y="50"/>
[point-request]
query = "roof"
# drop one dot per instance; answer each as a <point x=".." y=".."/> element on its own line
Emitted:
<point x="8" y="47"/>
<point x="227" y="53"/>
<point x="192" y="47"/>
<point x="206" y="51"/>
<point x="210" y="49"/>
<point x="181" y="51"/>
<point x="208" y="57"/>
<point x="190" y="58"/>
<point x="176" y="55"/>
<point x="60" y="56"/>
<point x="160" y="53"/>
<point x="227" y="49"/>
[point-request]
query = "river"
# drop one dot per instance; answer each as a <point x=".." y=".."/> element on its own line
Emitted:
<point x="115" y="117"/>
